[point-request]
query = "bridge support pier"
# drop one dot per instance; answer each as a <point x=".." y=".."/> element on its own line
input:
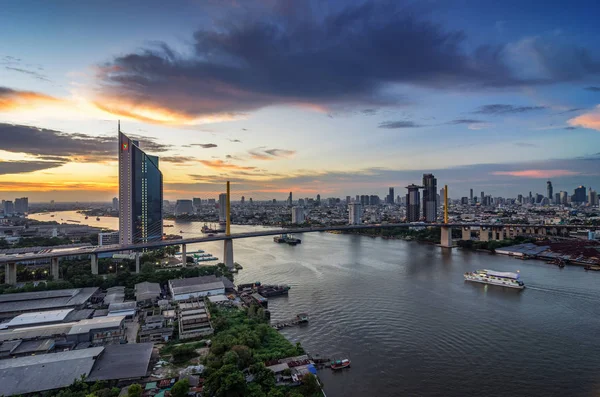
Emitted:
<point x="54" y="269"/>
<point x="228" y="253"/>
<point x="137" y="262"/>
<point x="10" y="273"/>
<point x="466" y="233"/>
<point x="183" y="254"/>
<point x="446" y="240"/>
<point x="484" y="234"/>
<point x="94" y="260"/>
<point x="500" y="234"/>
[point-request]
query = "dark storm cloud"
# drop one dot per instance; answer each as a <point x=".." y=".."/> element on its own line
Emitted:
<point x="594" y="89"/>
<point x="54" y="145"/>
<point x="465" y="121"/>
<point x="498" y="109"/>
<point x="399" y="124"/>
<point x="204" y="145"/>
<point x="21" y="167"/>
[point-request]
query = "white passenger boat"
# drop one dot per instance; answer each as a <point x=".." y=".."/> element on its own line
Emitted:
<point x="503" y="279"/>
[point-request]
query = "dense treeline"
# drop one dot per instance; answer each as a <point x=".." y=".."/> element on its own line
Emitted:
<point x="242" y="342"/>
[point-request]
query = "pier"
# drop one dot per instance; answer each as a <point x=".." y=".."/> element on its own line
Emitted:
<point x="301" y="318"/>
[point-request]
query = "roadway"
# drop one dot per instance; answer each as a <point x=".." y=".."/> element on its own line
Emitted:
<point x="49" y="252"/>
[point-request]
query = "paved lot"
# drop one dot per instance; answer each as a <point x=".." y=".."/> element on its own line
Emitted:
<point x="131" y="329"/>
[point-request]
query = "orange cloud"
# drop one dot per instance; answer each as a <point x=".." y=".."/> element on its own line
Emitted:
<point x="537" y="173"/>
<point x="587" y="120"/>
<point x="19" y="186"/>
<point x="11" y="99"/>
<point x="220" y="164"/>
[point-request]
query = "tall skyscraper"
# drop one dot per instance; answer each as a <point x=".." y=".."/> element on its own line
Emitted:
<point x="564" y="198"/>
<point x="115" y="204"/>
<point x="243" y="200"/>
<point x="592" y="197"/>
<point x="549" y="190"/>
<point x="318" y="199"/>
<point x="140" y="194"/>
<point x="471" y="196"/>
<point x="354" y="213"/>
<point x="429" y="198"/>
<point x="8" y="207"/>
<point x="557" y="198"/>
<point x="482" y="196"/>
<point x="197" y="203"/>
<point x="22" y="205"/>
<point x="390" y="196"/>
<point x="580" y="195"/>
<point x="222" y="207"/>
<point x="289" y="200"/>
<point x="297" y="215"/>
<point x="413" y="207"/>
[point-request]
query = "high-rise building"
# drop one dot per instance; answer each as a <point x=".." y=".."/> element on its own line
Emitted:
<point x="318" y="199"/>
<point x="549" y="191"/>
<point x="8" y="207"/>
<point x="197" y="203"/>
<point x="413" y="207"/>
<point x="520" y="198"/>
<point x="464" y="200"/>
<point x="374" y="200"/>
<point x="301" y="202"/>
<point x="390" y="196"/>
<point x="557" y="198"/>
<point x="211" y="202"/>
<point x="22" y="205"/>
<point x="289" y="200"/>
<point x="297" y="215"/>
<point x="140" y="194"/>
<point x="250" y="200"/>
<point x="564" y="198"/>
<point x="354" y="213"/>
<point x="580" y="195"/>
<point x="347" y="199"/>
<point x="184" y="207"/>
<point x="222" y="207"/>
<point x="471" y="195"/>
<point x="115" y="204"/>
<point x="482" y="196"/>
<point x="243" y="200"/>
<point x="592" y="197"/>
<point x="429" y="198"/>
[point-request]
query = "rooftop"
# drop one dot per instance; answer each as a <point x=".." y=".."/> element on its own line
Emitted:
<point x="122" y="362"/>
<point x="50" y="316"/>
<point x="44" y="300"/>
<point x="85" y="326"/>
<point x="198" y="288"/>
<point x="45" y="372"/>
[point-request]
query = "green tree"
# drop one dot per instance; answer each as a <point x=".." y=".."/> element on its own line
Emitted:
<point x="310" y="385"/>
<point x="275" y="393"/>
<point x="134" y="390"/>
<point x="180" y="388"/>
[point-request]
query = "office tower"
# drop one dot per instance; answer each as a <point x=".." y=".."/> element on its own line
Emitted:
<point x="471" y="195"/>
<point x="592" y="197"/>
<point x="520" y="198"/>
<point x="243" y="200"/>
<point x="274" y="201"/>
<point x="301" y="202"/>
<point x="390" y="197"/>
<point x="22" y="205"/>
<point x="357" y="199"/>
<point x="115" y="204"/>
<point x="354" y="213"/>
<point x="140" y="194"/>
<point x="580" y="195"/>
<point x="222" y="207"/>
<point x="374" y="200"/>
<point x="289" y="200"/>
<point x="549" y="193"/>
<point x="429" y="198"/>
<point x="197" y="203"/>
<point x="538" y="198"/>
<point x="212" y="202"/>
<point x="556" y="198"/>
<point x="8" y="207"/>
<point x="564" y="198"/>
<point x="482" y="196"/>
<point x="184" y="207"/>
<point x="318" y="199"/>
<point x="297" y="215"/>
<point x="464" y="200"/>
<point x="347" y="199"/>
<point x="413" y="199"/>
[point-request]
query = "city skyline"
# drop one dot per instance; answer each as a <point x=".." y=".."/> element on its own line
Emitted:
<point x="497" y="105"/>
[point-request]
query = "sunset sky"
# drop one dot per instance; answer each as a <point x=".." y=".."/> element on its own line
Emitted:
<point x="331" y="97"/>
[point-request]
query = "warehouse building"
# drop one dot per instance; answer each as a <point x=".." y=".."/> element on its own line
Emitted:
<point x="147" y="291"/>
<point x="12" y="305"/>
<point x="188" y="288"/>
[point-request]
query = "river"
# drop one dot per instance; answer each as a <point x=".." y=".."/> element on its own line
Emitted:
<point x="412" y="327"/>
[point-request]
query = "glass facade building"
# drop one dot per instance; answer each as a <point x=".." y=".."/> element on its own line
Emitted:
<point x="140" y="194"/>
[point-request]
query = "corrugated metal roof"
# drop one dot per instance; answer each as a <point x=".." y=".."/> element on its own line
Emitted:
<point x="49" y="316"/>
<point x="198" y="288"/>
<point x="45" y="372"/>
<point x="85" y="326"/>
<point x="122" y="362"/>
<point x="31" y="301"/>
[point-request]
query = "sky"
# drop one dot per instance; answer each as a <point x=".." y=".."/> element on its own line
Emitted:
<point x="315" y="97"/>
